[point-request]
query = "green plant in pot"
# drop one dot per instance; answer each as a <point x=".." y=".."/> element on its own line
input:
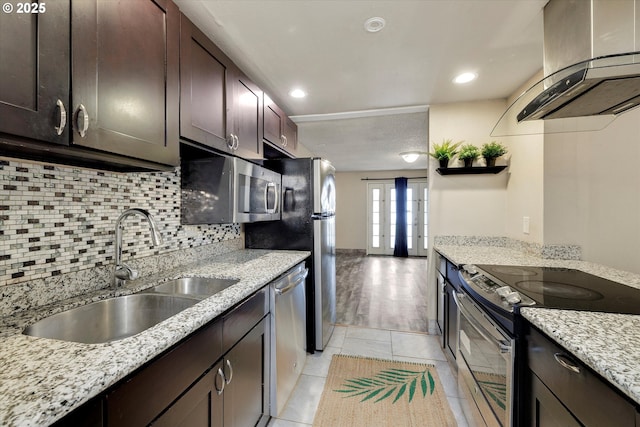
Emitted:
<point x="468" y="153"/>
<point x="445" y="151"/>
<point x="491" y="151"/>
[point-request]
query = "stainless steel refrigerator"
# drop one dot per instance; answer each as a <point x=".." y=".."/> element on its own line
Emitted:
<point x="308" y="223"/>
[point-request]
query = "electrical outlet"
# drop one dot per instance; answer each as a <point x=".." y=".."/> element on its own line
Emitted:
<point x="525" y="224"/>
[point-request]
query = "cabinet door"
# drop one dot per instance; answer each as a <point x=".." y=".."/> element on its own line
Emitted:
<point x="546" y="409"/>
<point x="205" y="86"/>
<point x="125" y="77"/>
<point x="452" y="322"/>
<point x="246" y="115"/>
<point x="273" y="116"/>
<point x="247" y="376"/>
<point x="441" y="295"/>
<point x="201" y="406"/>
<point x="290" y="136"/>
<point x="34" y="72"/>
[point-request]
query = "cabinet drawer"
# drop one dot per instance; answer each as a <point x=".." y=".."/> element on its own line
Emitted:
<point x="241" y="319"/>
<point x="590" y="398"/>
<point x="149" y="391"/>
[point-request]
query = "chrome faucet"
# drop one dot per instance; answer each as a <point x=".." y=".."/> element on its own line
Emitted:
<point x="122" y="271"/>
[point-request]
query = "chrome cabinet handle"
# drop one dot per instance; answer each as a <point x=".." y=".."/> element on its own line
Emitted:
<point x="63" y="118"/>
<point x="82" y="114"/>
<point x="220" y="375"/>
<point x="286" y="141"/>
<point x="566" y="362"/>
<point x="228" y="380"/>
<point x="282" y="139"/>
<point x="233" y="142"/>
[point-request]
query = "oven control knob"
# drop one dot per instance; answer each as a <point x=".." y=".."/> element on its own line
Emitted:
<point x="504" y="291"/>
<point x="513" y="298"/>
<point x="471" y="269"/>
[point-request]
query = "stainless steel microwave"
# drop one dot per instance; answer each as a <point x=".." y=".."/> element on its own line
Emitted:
<point x="224" y="190"/>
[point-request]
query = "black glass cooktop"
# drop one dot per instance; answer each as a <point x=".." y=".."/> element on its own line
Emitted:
<point x="567" y="288"/>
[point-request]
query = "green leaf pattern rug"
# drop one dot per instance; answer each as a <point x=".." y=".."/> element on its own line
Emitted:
<point x="373" y="392"/>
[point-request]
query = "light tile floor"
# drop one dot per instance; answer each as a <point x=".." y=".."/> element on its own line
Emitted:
<point x="354" y="340"/>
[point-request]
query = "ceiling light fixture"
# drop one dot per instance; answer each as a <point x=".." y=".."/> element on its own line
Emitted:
<point x="465" y="78"/>
<point x="297" y="93"/>
<point x="411" y="156"/>
<point x="375" y="24"/>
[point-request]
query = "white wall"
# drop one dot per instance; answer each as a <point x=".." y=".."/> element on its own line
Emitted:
<point x="466" y="204"/>
<point x="525" y="192"/>
<point x="351" y="200"/>
<point x="474" y="205"/>
<point x="592" y="192"/>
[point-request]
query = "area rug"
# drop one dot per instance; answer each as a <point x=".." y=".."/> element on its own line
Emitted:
<point x="373" y="392"/>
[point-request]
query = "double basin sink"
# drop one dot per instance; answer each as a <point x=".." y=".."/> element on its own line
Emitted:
<point x="121" y="317"/>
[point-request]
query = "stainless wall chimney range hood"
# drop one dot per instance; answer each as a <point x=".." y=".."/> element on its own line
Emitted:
<point x="591" y="68"/>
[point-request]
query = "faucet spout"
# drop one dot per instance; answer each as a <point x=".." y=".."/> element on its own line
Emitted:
<point x="122" y="271"/>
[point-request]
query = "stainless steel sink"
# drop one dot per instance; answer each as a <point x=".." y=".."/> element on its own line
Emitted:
<point x="199" y="287"/>
<point x="110" y="320"/>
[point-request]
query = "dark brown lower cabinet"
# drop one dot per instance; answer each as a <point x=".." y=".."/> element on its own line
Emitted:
<point x="245" y="403"/>
<point x="565" y="392"/>
<point x="200" y="406"/>
<point x="141" y="398"/>
<point x="546" y="409"/>
<point x="230" y="394"/>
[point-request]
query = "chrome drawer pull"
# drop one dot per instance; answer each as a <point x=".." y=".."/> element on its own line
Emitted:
<point x="220" y="375"/>
<point x="566" y="362"/>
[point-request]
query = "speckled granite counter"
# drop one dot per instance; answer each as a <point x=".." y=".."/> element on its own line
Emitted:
<point x="607" y="343"/>
<point x="41" y="380"/>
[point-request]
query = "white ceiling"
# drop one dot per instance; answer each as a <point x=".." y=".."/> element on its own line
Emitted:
<point x="321" y="46"/>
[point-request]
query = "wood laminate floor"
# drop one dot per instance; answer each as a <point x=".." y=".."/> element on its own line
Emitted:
<point x="382" y="292"/>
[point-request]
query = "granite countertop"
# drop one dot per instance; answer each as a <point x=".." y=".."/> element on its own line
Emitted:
<point x="607" y="343"/>
<point x="42" y="380"/>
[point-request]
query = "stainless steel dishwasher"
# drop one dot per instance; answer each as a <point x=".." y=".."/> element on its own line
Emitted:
<point x="288" y="352"/>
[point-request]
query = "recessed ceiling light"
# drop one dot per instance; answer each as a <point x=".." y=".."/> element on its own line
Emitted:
<point x="465" y="78"/>
<point x="375" y="24"/>
<point x="298" y="93"/>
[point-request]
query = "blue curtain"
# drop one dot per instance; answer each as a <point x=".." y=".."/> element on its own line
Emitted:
<point x="400" y="249"/>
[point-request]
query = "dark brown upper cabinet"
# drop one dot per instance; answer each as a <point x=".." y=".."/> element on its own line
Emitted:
<point x="220" y="107"/>
<point x="280" y="131"/>
<point x="246" y="116"/>
<point x="34" y="74"/>
<point x="121" y="110"/>
<point x="125" y="65"/>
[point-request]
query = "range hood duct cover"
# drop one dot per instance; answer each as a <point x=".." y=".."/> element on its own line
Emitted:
<point x="592" y="69"/>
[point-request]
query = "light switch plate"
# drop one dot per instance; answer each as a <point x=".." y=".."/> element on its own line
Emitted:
<point x="525" y="224"/>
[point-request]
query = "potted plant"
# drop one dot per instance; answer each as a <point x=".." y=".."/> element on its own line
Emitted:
<point x="445" y="151"/>
<point x="491" y="151"/>
<point x="468" y="153"/>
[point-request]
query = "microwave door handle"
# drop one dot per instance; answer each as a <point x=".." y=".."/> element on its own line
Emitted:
<point x="503" y="345"/>
<point x="266" y="198"/>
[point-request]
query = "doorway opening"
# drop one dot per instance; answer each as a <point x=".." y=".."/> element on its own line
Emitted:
<point x="381" y="217"/>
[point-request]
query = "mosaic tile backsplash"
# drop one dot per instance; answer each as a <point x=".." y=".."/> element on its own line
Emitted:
<point x="59" y="219"/>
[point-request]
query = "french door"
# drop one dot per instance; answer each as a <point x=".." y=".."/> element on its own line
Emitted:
<point x="381" y="218"/>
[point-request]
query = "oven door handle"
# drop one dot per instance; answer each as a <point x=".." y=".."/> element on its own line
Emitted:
<point x="503" y="346"/>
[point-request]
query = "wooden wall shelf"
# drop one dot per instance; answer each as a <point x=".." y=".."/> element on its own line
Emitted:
<point x="471" y="171"/>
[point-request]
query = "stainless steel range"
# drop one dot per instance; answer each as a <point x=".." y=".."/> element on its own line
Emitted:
<point x="491" y="327"/>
